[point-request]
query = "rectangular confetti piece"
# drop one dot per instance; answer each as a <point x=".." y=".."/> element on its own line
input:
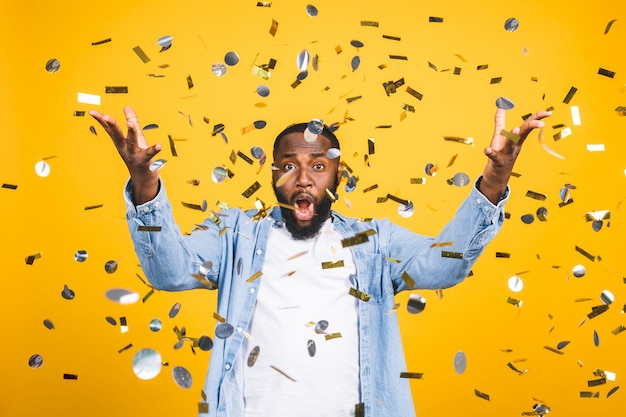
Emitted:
<point x="359" y="294"/>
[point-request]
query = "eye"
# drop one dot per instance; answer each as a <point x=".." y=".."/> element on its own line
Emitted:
<point x="289" y="166"/>
<point x="319" y="166"/>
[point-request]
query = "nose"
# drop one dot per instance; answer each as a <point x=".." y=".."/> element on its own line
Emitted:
<point x="303" y="179"/>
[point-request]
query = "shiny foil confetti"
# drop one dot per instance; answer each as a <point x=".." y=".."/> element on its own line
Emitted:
<point x="332" y="264"/>
<point x="141" y="54"/>
<point x="412" y="375"/>
<point x="251" y="190"/>
<point x="481" y="395"/>
<point x="359" y="294"/>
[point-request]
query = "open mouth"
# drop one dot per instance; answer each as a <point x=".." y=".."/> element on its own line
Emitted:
<point x="304" y="207"/>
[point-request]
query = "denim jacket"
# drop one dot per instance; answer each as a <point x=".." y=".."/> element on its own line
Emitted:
<point x="391" y="259"/>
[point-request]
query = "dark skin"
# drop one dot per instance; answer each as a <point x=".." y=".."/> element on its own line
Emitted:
<point x="137" y="155"/>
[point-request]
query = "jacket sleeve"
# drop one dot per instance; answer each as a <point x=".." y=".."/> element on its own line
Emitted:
<point x="172" y="261"/>
<point x="445" y="260"/>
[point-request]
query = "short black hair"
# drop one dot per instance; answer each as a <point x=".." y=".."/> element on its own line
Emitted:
<point x="301" y="127"/>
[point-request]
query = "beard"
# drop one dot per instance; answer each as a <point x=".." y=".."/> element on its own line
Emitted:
<point x="322" y="212"/>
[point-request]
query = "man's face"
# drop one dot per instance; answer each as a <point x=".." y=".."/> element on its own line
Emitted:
<point x="301" y="176"/>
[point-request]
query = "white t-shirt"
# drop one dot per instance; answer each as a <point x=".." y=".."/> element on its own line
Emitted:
<point x="301" y="372"/>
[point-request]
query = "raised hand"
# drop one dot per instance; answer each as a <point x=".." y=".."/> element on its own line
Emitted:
<point x="503" y="152"/>
<point x="135" y="152"/>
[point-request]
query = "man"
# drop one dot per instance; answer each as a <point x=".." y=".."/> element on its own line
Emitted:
<point x="308" y="305"/>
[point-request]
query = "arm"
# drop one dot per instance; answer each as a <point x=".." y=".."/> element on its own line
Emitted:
<point x="135" y="152"/>
<point x="503" y="152"/>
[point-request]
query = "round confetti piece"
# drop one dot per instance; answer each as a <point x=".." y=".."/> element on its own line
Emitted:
<point x="607" y="297"/>
<point x="355" y="62"/>
<point x="49" y="325"/>
<point x="406" y="210"/>
<point x="165" y="42"/>
<point x="205" y="343"/>
<point x="302" y="75"/>
<point x="416" y="304"/>
<point x="231" y="58"/>
<point x="321" y="326"/>
<point x="460" y="179"/>
<point x="53" y="65"/>
<point x="182" y="377"/>
<point x="174" y="310"/>
<point x="219" y="174"/>
<point x="205" y="268"/>
<point x="67" y="293"/>
<point x="511" y="24"/>
<point x="528" y="218"/>
<point x="504" y="103"/>
<point x="157" y="164"/>
<point x="430" y="169"/>
<point x="579" y="271"/>
<point x="224" y="330"/>
<point x="351" y="184"/>
<point x="263" y="90"/>
<point x="460" y="362"/>
<point x="254" y="355"/>
<point x="122" y="296"/>
<point x="311" y="348"/>
<point x="80" y="256"/>
<point x="542" y="214"/>
<point x="111" y="321"/>
<point x="35" y="361"/>
<point x="42" y="168"/>
<point x="218" y="69"/>
<point x="311" y="10"/>
<point x="356" y="43"/>
<point x="155" y="324"/>
<point x="259" y="124"/>
<point x="302" y="60"/>
<point x="110" y="267"/>
<point x="515" y="283"/>
<point x="147" y="363"/>
<point x="333" y="153"/>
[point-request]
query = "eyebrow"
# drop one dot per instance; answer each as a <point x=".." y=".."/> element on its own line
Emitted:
<point x="292" y="154"/>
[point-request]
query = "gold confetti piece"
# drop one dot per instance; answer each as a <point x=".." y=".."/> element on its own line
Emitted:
<point x="503" y="255"/>
<point x="551" y="349"/>
<point x="510" y="365"/>
<point x="399" y="57"/>
<point x="595" y="148"/>
<point x="397" y="199"/>
<point x="79" y="113"/>
<point x="332" y="336"/>
<point x="116" y="90"/>
<point x="585" y="253"/>
<point x="355" y="98"/>
<point x="596" y="382"/>
<point x="417" y="180"/>
<point x="589" y="394"/>
<point x="359" y="410"/>
<point x="495" y="80"/>
<point x="149" y="228"/>
<point x="466" y="141"/>
<point x="202" y="207"/>
<point x="452" y="160"/>
<point x="408" y="280"/>
<point x="254" y="276"/>
<point x="103" y="41"/>
<point x="30" y="259"/>
<point x="245" y="157"/>
<point x="274" y="28"/>
<point x="189" y="82"/>
<point x="297" y="255"/>
<point x="408" y="107"/>
<point x="148" y="295"/>
<point x="570" y="95"/>
<point x="332" y="264"/>
<point x="412" y="375"/>
<point x="355" y="240"/>
<point x="141" y="54"/>
<point x="89" y="99"/>
<point x="369" y="23"/>
<point x="481" y="395"/>
<point x="618" y="329"/>
<point x="219" y="318"/>
<point x="457" y="71"/>
<point x="434" y="19"/>
<point x="441" y="244"/>
<point x="251" y="190"/>
<point x="204" y="281"/>
<point x="9" y="186"/>
<point x="331" y="195"/>
<point x="395" y="261"/>
<point x="606" y="72"/>
<point x="562" y="134"/>
<point x="203" y="408"/>
<point x="482" y="67"/>
<point x="70" y="376"/>
<point x="597" y="310"/>
<point x="600" y="215"/>
<point x="510" y="136"/>
<point x="536" y="196"/>
<point x="448" y="254"/>
<point x="370" y="188"/>
<point x="608" y="26"/>
<point x="359" y="294"/>
<point x="392" y="38"/>
<point x="128" y="346"/>
<point x="264" y="4"/>
<point x="97" y="206"/>
<point x="282" y="373"/>
<point x="515" y="302"/>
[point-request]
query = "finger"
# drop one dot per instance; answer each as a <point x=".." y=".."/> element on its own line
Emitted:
<point x="499" y="121"/>
<point x="110" y="125"/>
<point x="152" y="151"/>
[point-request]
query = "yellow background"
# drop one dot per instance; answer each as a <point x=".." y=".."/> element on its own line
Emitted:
<point x="558" y="45"/>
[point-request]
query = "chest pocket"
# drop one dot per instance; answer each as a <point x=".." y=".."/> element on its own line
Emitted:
<point x="374" y="279"/>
